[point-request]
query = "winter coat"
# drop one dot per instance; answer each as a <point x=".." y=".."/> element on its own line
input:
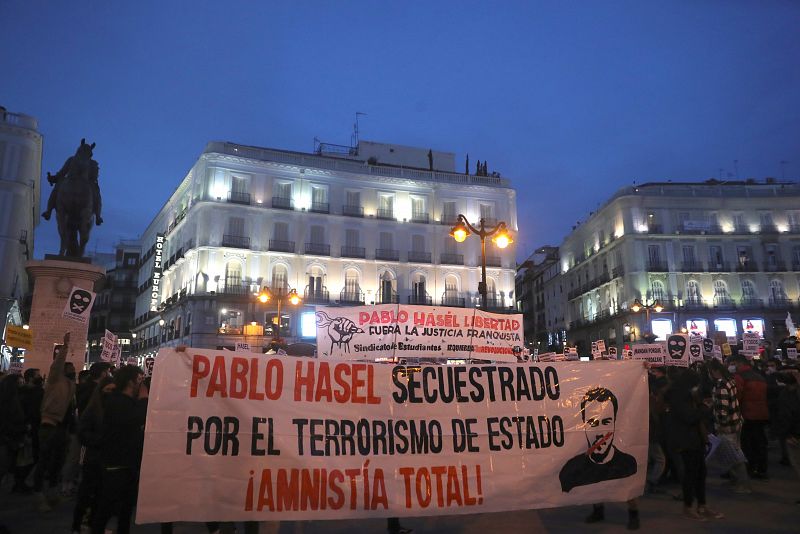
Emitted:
<point x="751" y="389"/>
<point x="684" y="421"/>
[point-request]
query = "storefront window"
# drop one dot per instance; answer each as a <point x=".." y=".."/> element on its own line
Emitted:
<point x="661" y="328"/>
<point x="728" y="326"/>
<point x="753" y="325"/>
<point x="697" y="327"/>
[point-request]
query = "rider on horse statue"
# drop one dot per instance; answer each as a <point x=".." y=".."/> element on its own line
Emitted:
<point x="57" y="178"/>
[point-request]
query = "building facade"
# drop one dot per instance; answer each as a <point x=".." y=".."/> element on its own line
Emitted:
<point x="365" y="225"/>
<point x="717" y="256"/>
<point x="114" y="307"/>
<point x="530" y="294"/>
<point x="20" y="171"/>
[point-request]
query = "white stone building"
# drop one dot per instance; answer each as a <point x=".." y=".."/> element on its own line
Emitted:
<point x="718" y="256"/>
<point x="358" y="226"/>
<point x="20" y="171"/>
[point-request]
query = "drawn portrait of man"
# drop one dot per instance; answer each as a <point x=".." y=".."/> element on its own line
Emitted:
<point x="602" y="459"/>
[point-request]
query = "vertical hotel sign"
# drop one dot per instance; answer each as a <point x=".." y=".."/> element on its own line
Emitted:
<point x="155" y="281"/>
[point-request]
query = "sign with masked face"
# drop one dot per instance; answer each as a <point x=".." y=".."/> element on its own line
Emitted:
<point x="79" y="305"/>
<point x="695" y="352"/>
<point x="708" y="347"/>
<point x="677" y="351"/>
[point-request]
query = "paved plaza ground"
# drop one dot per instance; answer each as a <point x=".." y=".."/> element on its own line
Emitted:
<point x="771" y="508"/>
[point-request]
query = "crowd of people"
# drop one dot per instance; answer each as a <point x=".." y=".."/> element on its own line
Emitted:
<point x="75" y="436"/>
<point x="82" y="436"/>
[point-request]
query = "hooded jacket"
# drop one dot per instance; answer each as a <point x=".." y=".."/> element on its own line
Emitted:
<point x="59" y="391"/>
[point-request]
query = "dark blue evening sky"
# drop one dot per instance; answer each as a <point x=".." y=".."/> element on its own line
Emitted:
<point x="570" y="102"/>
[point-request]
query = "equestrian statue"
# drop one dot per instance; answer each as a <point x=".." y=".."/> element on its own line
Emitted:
<point x="76" y="199"/>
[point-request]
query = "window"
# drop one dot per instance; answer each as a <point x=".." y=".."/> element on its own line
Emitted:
<point x="715" y="256"/>
<point x="697" y="327"/>
<point x="721" y="295"/>
<point x="738" y="222"/>
<point x="766" y="219"/>
<point x="351" y="238"/>
<point x="281" y="231"/>
<point x="657" y="290"/>
<point x="386" y="241"/>
<point x="352" y="289"/>
<point x="773" y="255"/>
<point x="317" y="235"/>
<point x="450" y="287"/>
<point x="238" y="185"/>
<point x="693" y="292"/>
<point x="728" y="326"/>
<point x="417" y="207"/>
<point x="385" y="205"/>
<point x="748" y="290"/>
<point x="661" y="328"/>
<point x="418" y="243"/>
<point x="776" y="292"/>
<point x="283" y="190"/>
<point x="743" y="254"/>
<point x="319" y="195"/>
<point x="280" y="279"/>
<point x="354" y="198"/>
<point x="386" y="291"/>
<point x="450" y="245"/>
<point x="236" y="226"/>
<point x="449" y="212"/>
<point x="688" y="255"/>
<point x="233" y="276"/>
<point x="487" y="212"/>
<point x="418" y="292"/>
<point x="654" y="254"/>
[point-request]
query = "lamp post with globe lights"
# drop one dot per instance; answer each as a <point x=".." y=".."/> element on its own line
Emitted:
<point x="656" y="306"/>
<point x="499" y="234"/>
<point x="265" y="295"/>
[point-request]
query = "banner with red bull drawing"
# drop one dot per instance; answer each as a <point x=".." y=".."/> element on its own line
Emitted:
<point x="403" y="331"/>
<point x="236" y="437"/>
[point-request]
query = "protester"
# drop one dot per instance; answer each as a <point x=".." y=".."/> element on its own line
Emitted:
<point x="728" y="426"/>
<point x="751" y="390"/>
<point x="12" y="423"/>
<point x="787" y="424"/>
<point x="83" y="393"/>
<point x="656" y="459"/>
<point x="90" y="436"/>
<point x="30" y="396"/>
<point x="59" y="392"/>
<point x="121" y="440"/>
<point x="688" y="437"/>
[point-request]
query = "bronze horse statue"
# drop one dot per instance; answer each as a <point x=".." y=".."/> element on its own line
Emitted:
<point x="76" y="199"/>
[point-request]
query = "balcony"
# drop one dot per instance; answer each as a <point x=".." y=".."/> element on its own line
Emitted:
<point x="316" y="296"/>
<point x="235" y="241"/>
<point x="719" y="267"/>
<point x="746" y="267"/>
<point x="655" y="229"/>
<point x="494" y="261"/>
<point x="694" y="303"/>
<point x="692" y="267"/>
<point x="353" y="211"/>
<point x="494" y="303"/>
<point x="780" y="303"/>
<point x="320" y="207"/>
<point x="419" y="217"/>
<point x="282" y="203"/>
<point x="319" y="249"/>
<point x="387" y="297"/>
<point x="420" y="300"/>
<point x="351" y="296"/>
<point x="794" y="228"/>
<point x="385" y="213"/>
<point x="768" y="229"/>
<point x="234" y="287"/>
<point x="655" y="266"/>
<point x="387" y="254"/>
<point x="415" y="256"/>
<point x="453" y="300"/>
<point x="449" y="219"/>
<point x="724" y="302"/>
<point x="774" y="266"/>
<point x="451" y="259"/>
<point x="237" y="197"/>
<point x="278" y="245"/>
<point x="353" y="252"/>
<point x="750" y="303"/>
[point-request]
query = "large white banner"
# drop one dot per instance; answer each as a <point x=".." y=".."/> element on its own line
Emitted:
<point x="402" y="331"/>
<point x="247" y="437"/>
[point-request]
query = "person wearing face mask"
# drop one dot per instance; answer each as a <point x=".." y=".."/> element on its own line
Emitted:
<point x="57" y="405"/>
<point x="728" y="426"/>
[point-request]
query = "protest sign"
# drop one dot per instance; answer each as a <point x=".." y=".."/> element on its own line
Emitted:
<point x="304" y="439"/>
<point x="750" y="342"/>
<point x="148" y="365"/>
<point x="132" y="360"/>
<point x="400" y="331"/>
<point x="696" y="351"/>
<point x="726" y="349"/>
<point x="15" y="367"/>
<point x="571" y="353"/>
<point x="677" y="351"/>
<point x="241" y="346"/>
<point x="612" y="353"/>
<point x="627" y="354"/>
<point x="708" y="347"/>
<point x="791" y="354"/>
<point x="547" y="357"/>
<point x="79" y="305"/>
<point x="601" y="345"/>
<point x="109" y="343"/>
<point x="17" y="336"/>
<point x="716" y="352"/>
<point x="653" y="353"/>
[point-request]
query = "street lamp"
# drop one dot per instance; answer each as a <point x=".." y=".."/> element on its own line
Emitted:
<point x="656" y="306"/>
<point x="265" y="295"/>
<point x="499" y="234"/>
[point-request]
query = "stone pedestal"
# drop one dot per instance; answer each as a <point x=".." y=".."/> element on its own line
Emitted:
<point x="52" y="283"/>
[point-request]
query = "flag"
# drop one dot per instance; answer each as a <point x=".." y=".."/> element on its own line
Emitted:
<point x="790" y="325"/>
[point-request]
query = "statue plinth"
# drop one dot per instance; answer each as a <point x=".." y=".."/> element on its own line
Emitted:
<point x="53" y="280"/>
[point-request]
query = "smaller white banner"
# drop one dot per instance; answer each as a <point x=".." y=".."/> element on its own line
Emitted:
<point x="652" y="353"/>
<point x="79" y="305"/>
<point x="109" y="346"/>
